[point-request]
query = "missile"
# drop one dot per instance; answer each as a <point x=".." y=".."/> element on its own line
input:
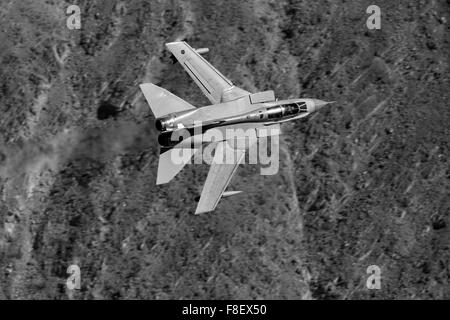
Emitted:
<point x="202" y="50"/>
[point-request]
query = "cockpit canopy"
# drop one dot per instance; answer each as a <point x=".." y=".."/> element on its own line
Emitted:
<point x="294" y="108"/>
<point x="289" y="109"/>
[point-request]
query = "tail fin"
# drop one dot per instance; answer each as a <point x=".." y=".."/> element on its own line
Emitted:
<point x="171" y="162"/>
<point x="162" y="102"/>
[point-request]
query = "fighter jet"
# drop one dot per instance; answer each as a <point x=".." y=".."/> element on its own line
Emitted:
<point x="231" y="107"/>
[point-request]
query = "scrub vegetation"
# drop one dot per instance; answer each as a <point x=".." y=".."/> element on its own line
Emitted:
<point x="363" y="182"/>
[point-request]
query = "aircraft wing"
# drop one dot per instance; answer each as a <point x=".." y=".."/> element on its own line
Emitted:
<point x="221" y="170"/>
<point x="219" y="176"/>
<point x="214" y="85"/>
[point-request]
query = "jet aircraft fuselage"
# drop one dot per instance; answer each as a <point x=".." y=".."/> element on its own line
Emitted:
<point x="231" y="113"/>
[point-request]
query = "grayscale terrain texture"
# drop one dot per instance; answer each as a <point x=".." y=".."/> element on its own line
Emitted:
<point x="362" y="182"/>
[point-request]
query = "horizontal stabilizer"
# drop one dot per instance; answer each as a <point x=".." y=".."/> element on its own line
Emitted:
<point x="171" y="162"/>
<point x="162" y="102"/>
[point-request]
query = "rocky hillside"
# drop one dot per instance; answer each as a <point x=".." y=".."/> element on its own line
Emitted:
<point x="365" y="182"/>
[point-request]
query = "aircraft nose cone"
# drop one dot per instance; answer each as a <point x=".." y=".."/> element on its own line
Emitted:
<point x="318" y="104"/>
